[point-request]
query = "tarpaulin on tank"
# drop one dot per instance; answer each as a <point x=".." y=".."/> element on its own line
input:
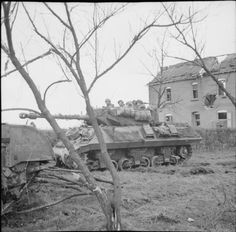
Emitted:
<point x="118" y="134"/>
<point x="187" y="131"/>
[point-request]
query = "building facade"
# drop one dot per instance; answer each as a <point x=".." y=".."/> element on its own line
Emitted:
<point x="189" y="95"/>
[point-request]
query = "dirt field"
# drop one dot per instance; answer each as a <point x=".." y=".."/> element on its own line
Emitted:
<point x="198" y="196"/>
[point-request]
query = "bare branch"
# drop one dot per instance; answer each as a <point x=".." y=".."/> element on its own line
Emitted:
<point x="62" y="69"/>
<point x="16" y="11"/>
<point x="69" y="180"/>
<point x="186" y="60"/>
<point x="165" y="103"/>
<point x="27" y="109"/>
<point x="56" y="15"/>
<point x="6" y="10"/>
<point x="77" y="63"/>
<point x="56" y="82"/>
<point x="101" y="23"/>
<point x="95" y="28"/>
<point x="148" y="70"/>
<point x="54" y="48"/>
<point x="78" y="171"/>
<point x="29" y="62"/>
<point x="64" y="39"/>
<point x="63" y="184"/>
<point x="52" y="204"/>
<point x="102" y="180"/>
<point x="95" y="40"/>
<point x="136" y="38"/>
<point x="23" y="53"/>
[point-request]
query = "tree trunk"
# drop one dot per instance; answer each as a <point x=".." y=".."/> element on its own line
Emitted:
<point x="113" y="202"/>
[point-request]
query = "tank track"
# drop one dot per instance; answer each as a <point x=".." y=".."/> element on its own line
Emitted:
<point x="144" y="157"/>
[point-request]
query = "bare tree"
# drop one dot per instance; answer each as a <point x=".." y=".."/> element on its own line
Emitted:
<point x="187" y="36"/>
<point x="159" y="55"/>
<point x="72" y="61"/>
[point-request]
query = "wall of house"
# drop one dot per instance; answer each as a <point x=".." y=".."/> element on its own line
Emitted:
<point x="182" y="94"/>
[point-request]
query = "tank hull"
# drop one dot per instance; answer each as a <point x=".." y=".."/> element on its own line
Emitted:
<point x="137" y="144"/>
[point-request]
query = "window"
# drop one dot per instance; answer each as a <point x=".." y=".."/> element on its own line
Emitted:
<point x="223" y="83"/>
<point x="169" y="118"/>
<point x="196" y="119"/>
<point x="222" y="115"/>
<point x="222" y="119"/>
<point x="168" y="94"/>
<point x="195" y="90"/>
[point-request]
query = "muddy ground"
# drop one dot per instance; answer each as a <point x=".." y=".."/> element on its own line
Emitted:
<point x="198" y="196"/>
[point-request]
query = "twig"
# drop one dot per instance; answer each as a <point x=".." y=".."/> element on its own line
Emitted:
<point x="102" y="180"/>
<point x="4" y="210"/>
<point x="77" y="171"/>
<point x="52" y="204"/>
<point x="28" y="62"/>
<point x="55" y="182"/>
<point x="27" y="109"/>
<point x="136" y="38"/>
<point x="56" y="82"/>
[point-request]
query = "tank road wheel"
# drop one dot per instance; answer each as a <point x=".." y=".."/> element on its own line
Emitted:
<point x="145" y="162"/>
<point x="115" y="164"/>
<point x="125" y="164"/>
<point x="157" y="160"/>
<point x="185" y="153"/>
<point x="174" y="159"/>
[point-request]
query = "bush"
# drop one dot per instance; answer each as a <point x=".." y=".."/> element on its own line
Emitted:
<point x="216" y="139"/>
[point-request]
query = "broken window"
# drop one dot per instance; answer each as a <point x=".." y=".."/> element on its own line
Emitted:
<point x="209" y="100"/>
<point x="195" y="90"/>
<point x="196" y="119"/>
<point x="168" y="94"/>
<point x="222" y="83"/>
<point x="169" y="118"/>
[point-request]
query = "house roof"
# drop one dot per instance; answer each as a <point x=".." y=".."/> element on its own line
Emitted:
<point x="189" y="70"/>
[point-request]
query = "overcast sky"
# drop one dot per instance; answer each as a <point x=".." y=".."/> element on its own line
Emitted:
<point x="128" y="80"/>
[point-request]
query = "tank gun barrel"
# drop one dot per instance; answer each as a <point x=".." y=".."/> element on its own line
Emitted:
<point x="58" y="116"/>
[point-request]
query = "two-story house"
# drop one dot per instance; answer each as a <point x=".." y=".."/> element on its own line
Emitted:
<point x="192" y="96"/>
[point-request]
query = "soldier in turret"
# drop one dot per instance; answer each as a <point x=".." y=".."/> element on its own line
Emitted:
<point x="121" y="103"/>
<point x="129" y="104"/>
<point x="108" y="103"/>
<point x="140" y="105"/>
<point x="135" y="105"/>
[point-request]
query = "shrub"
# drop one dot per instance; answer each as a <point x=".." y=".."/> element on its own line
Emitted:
<point x="216" y="139"/>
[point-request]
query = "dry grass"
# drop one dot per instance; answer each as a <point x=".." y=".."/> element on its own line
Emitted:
<point x="153" y="200"/>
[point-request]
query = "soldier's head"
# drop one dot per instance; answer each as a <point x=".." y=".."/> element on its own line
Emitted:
<point x="134" y="102"/>
<point x="129" y="104"/>
<point x="139" y="102"/>
<point x="121" y="103"/>
<point x="108" y="101"/>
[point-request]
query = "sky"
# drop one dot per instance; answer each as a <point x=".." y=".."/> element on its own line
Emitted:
<point x="129" y="79"/>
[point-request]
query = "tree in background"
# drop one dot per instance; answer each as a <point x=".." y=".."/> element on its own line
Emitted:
<point x="187" y="36"/>
<point x="158" y="56"/>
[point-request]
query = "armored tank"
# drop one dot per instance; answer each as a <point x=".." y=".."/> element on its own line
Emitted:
<point x="132" y="138"/>
<point x="24" y="153"/>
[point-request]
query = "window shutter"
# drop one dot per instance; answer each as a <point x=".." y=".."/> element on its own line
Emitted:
<point x="229" y="120"/>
